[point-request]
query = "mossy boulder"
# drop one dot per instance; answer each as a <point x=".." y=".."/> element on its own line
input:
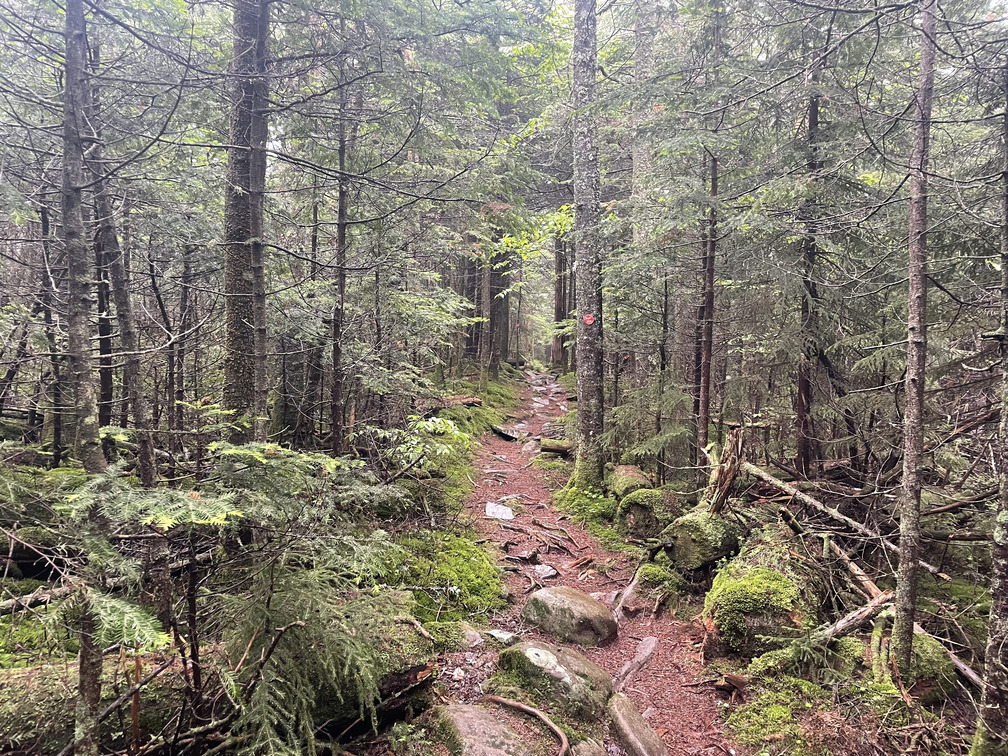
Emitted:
<point x="764" y="592"/>
<point x="575" y="683"/>
<point x="932" y="670"/>
<point x="646" y="511"/>
<point x="701" y="538"/>
<point x="626" y="479"/>
<point x="570" y="615"/>
<point x="475" y="731"/>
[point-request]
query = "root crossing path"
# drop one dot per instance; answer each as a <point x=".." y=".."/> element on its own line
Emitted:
<point x="683" y="713"/>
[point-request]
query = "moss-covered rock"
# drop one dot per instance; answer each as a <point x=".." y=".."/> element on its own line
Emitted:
<point x="701" y="538"/>
<point x="764" y="592"/>
<point x="453" y="577"/>
<point x="570" y="615"/>
<point x="576" y="684"/>
<point x="934" y="677"/>
<point x="646" y="511"/>
<point x="626" y="479"/>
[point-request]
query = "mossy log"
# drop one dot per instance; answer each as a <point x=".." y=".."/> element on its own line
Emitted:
<point x="626" y="479"/>
<point x="556" y="446"/>
<point x="646" y="511"/>
<point x="764" y="592"/>
<point x="700" y="538"/>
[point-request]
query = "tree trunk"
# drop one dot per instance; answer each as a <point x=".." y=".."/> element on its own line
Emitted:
<point x="810" y="297"/>
<point x="587" y="253"/>
<point x="79" y="271"/>
<point x="342" y="211"/>
<point x="558" y="354"/>
<point x="707" y="336"/>
<point x="991" y="737"/>
<point x="913" y="420"/>
<point x="79" y="277"/>
<point x="113" y="253"/>
<point x="242" y="220"/>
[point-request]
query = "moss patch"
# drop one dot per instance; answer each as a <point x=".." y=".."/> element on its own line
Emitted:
<point x="594" y="511"/>
<point x="646" y="511"/>
<point x="453" y="577"/>
<point x="932" y="670"/>
<point x="770" y="719"/>
<point x="740" y="602"/>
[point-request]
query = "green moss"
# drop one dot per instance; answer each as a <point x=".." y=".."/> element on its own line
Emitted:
<point x="933" y="673"/>
<point x="646" y="511"/>
<point x="596" y="512"/>
<point x="741" y="599"/>
<point x="661" y="577"/>
<point x="568" y="382"/>
<point x="454" y="578"/>
<point x="625" y="479"/>
<point x="701" y="538"/>
<point x="770" y="719"/>
<point x="985" y="745"/>
<point x="548" y="462"/>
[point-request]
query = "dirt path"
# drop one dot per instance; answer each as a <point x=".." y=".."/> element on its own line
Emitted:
<point x="686" y="718"/>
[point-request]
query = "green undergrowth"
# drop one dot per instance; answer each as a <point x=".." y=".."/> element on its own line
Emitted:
<point x="596" y="512"/>
<point x="37" y="705"/>
<point x="455" y="471"/>
<point x="568" y="382"/>
<point x="452" y="577"/>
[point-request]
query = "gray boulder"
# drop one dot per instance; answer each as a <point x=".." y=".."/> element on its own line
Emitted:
<point x="576" y="683"/>
<point x="588" y="748"/>
<point x="474" y="731"/>
<point x="631" y="730"/>
<point x="570" y="615"/>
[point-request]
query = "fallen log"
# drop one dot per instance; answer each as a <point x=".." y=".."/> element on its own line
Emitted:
<point x="556" y="446"/>
<point x="462" y="400"/>
<point x="804" y="498"/>
<point x="875" y="592"/>
<point x="852" y="621"/>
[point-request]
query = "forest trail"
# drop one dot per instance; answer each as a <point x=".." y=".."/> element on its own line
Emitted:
<point x="686" y="718"/>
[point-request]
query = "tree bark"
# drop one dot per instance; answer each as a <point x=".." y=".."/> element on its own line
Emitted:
<point x="242" y="220"/>
<point x="587" y="253"/>
<point x="991" y="738"/>
<point x="913" y="420"/>
<point x="79" y="269"/>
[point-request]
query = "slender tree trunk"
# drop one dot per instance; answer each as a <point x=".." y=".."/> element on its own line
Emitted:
<point x="114" y="255"/>
<point x="342" y="218"/>
<point x="810" y="297"/>
<point x="79" y="277"/>
<point x="587" y="253"/>
<point x="106" y="394"/>
<point x="991" y="737"/>
<point x="486" y="345"/>
<point x="557" y="356"/>
<point x="707" y="340"/>
<point x="913" y="420"/>
<point x="79" y="270"/>
<point x="244" y="355"/>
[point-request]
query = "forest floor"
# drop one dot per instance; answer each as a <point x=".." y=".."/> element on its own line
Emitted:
<point x="684" y="714"/>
